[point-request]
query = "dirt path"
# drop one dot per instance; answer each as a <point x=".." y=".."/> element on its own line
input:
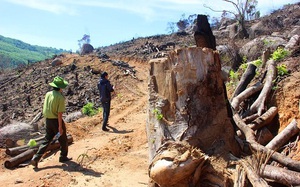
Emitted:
<point x="117" y="158"/>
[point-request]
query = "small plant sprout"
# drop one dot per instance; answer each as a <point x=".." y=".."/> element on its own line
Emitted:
<point x="157" y="114"/>
<point x="257" y="62"/>
<point x="279" y="54"/>
<point x="282" y="70"/>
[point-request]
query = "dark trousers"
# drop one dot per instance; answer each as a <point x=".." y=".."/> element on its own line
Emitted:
<point x="106" y="111"/>
<point x="51" y="131"/>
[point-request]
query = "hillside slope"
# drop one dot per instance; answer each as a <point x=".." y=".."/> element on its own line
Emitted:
<point x="117" y="158"/>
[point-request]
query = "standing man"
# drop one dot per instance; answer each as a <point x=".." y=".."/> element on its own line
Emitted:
<point x="105" y="89"/>
<point x="54" y="106"/>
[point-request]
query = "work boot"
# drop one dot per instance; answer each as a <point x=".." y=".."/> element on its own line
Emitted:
<point x="105" y="129"/>
<point x="34" y="163"/>
<point x="64" y="159"/>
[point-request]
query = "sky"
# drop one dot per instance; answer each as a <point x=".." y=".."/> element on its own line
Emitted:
<point x="61" y="23"/>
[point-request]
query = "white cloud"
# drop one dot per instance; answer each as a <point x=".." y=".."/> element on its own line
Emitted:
<point x="45" y="5"/>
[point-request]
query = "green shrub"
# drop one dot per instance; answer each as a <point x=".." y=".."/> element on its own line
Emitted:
<point x="257" y="62"/>
<point x="89" y="109"/>
<point x="282" y="70"/>
<point x="243" y="66"/>
<point x="279" y="54"/>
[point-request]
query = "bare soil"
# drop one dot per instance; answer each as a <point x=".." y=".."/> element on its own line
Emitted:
<point x="115" y="158"/>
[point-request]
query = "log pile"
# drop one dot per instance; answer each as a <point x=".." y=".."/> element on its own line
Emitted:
<point x="24" y="153"/>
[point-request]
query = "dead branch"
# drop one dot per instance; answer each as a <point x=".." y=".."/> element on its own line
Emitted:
<point x="246" y="78"/>
<point x="284" y="136"/>
<point x="281" y="175"/>
<point x="251" y="118"/>
<point x="250" y="137"/>
<point x="240" y="177"/>
<point x="253" y="177"/>
<point x="245" y="94"/>
<point x="264" y="119"/>
<point x="259" y="104"/>
<point x="251" y="172"/>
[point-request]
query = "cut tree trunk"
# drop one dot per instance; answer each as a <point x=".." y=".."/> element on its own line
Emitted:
<point x="245" y="79"/>
<point x="281" y="138"/>
<point x="28" y="154"/>
<point x="18" y="150"/>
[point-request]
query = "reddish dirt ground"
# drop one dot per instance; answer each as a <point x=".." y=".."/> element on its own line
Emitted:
<point x="115" y="158"/>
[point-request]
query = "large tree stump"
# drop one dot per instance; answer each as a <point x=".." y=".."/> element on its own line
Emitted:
<point x="188" y="103"/>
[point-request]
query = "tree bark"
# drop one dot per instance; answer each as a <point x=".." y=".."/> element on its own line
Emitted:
<point x="245" y="79"/>
<point x="259" y="105"/>
<point x="245" y="94"/>
<point x="264" y="119"/>
<point x="281" y="138"/>
<point x="28" y="154"/>
<point x="18" y="150"/>
<point x="283" y="176"/>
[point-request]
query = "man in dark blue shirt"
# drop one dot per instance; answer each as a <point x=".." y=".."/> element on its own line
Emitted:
<point x="105" y="89"/>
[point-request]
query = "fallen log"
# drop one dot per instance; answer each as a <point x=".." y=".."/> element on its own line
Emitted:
<point x="264" y="119"/>
<point x="28" y="154"/>
<point x="281" y="138"/>
<point x="246" y="78"/>
<point x="245" y="94"/>
<point x="20" y="158"/>
<point x="250" y="137"/>
<point x="283" y="176"/>
<point x="259" y="105"/>
<point x="20" y="149"/>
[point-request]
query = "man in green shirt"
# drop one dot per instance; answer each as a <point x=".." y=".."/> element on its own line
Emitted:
<point x="54" y="107"/>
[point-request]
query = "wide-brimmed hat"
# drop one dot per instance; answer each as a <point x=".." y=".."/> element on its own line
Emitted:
<point x="58" y="82"/>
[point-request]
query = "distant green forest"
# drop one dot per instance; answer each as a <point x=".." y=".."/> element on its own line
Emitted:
<point x="15" y="53"/>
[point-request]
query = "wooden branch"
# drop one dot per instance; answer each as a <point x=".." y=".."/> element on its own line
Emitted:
<point x="28" y="154"/>
<point x="265" y="56"/>
<point x="259" y="104"/>
<point x="281" y="138"/>
<point x="250" y="137"/>
<point x="36" y="118"/>
<point x="246" y="78"/>
<point x="240" y="177"/>
<point x="253" y="177"/>
<point x="245" y="94"/>
<point x="283" y="176"/>
<point x="264" y="119"/>
<point x="9" y="81"/>
<point x="18" y="150"/>
<point x="251" y="118"/>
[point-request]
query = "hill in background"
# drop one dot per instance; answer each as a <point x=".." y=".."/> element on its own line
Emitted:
<point x="15" y="53"/>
